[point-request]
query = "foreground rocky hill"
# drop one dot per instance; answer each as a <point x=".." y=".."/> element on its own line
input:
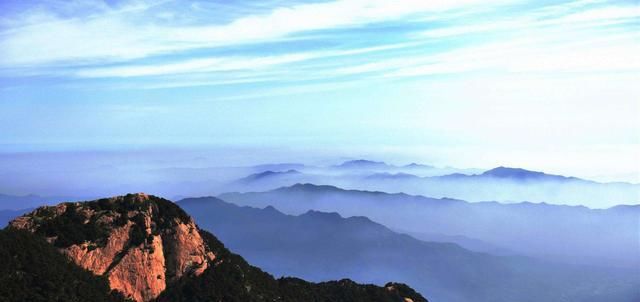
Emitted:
<point x="149" y="249"/>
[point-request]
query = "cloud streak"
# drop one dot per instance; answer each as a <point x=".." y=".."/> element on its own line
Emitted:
<point x="307" y="41"/>
<point x="119" y="35"/>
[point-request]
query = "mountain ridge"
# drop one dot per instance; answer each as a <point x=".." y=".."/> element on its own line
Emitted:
<point x="492" y="222"/>
<point x="267" y="174"/>
<point x="367" y="251"/>
<point x="149" y="249"/>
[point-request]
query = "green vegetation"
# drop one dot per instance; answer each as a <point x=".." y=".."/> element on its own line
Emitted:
<point x="70" y="227"/>
<point x="75" y="225"/>
<point x="33" y="270"/>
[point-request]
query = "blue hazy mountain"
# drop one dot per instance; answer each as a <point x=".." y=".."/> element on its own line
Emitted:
<point x="386" y="175"/>
<point x="501" y="184"/>
<point x="321" y="246"/>
<point x="278" y="167"/>
<point x="505" y="185"/>
<point x="517" y="174"/>
<point x="266" y="180"/>
<point x="465" y="242"/>
<point x="572" y="234"/>
<point x="363" y="164"/>
<point x="418" y="166"/>
<point x="8" y="215"/>
<point x="268" y="175"/>
<point x="15" y="202"/>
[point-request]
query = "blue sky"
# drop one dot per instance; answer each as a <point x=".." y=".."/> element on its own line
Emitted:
<point x="540" y="84"/>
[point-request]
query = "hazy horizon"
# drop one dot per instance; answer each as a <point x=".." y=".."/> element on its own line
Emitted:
<point x="542" y="86"/>
<point x="203" y="156"/>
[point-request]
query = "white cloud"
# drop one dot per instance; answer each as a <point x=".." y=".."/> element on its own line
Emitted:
<point x="128" y="35"/>
<point x="468" y="29"/>
<point x="115" y="35"/>
<point x="216" y="64"/>
<point x="606" y="13"/>
<point x="519" y="56"/>
<point x="544" y="17"/>
<point x="602" y="59"/>
<point x="192" y="66"/>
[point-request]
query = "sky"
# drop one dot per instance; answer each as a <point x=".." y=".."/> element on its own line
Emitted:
<point x="545" y="85"/>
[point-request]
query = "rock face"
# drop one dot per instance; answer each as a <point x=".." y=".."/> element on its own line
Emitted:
<point x="141" y="243"/>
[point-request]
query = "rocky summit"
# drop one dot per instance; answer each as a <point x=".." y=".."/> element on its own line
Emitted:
<point x="149" y="249"/>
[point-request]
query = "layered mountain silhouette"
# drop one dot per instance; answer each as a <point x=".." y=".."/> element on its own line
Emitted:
<point x="321" y="246"/>
<point x="363" y="164"/>
<point x="387" y="175"/>
<point x="278" y="167"/>
<point x="268" y="175"/>
<point x="571" y="234"/>
<point x="19" y="202"/>
<point x="503" y="184"/>
<point x="418" y="166"/>
<point x="517" y="174"/>
<point x="366" y="164"/>
<point x="148" y="249"/>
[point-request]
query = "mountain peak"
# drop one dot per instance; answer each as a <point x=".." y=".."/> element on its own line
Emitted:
<point x="140" y="242"/>
<point x="418" y="166"/>
<point x="502" y="170"/>
<point x="268" y="174"/>
<point x="271" y="209"/>
<point x="362" y="163"/>
<point x="308" y="187"/>
<point x="519" y="173"/>
<point x="333" y="216"/>
<point x="141" y="196"/>
<point x="149" y="249"/>
<point x="387" y="175"/>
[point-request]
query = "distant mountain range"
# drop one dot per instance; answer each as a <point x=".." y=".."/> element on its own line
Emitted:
<point x="572" y="234"/>
<point x="363" y="164"/>
<point x="387" y="175"/>
<point x="13" y="202"/>
<point x="522" y="174"/>
<point x="268" y="175"/>
<point x="146" y="248"/>
<point x="278" y="167"/>
<point x="369" y="164"/>
<point x="499" y="184"/>
<point x="8" y="215"/>
<point x="320" y="246"/>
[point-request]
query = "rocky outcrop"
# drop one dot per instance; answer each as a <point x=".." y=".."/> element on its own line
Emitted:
<point x="98" y="259"/>
<point x="126" y="278"/>
<point x="149" y="249"/>
<point x="140" y="243"/>
<point x="190" y="253"/>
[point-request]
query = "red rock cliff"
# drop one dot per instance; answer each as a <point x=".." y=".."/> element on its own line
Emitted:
<point x="141" y="243"/>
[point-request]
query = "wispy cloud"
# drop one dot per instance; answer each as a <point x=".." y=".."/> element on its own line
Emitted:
<point x="125" y="34"/>
<point x="416" y="38"/>
<point x="218" y="64"/>
<point x="192" y="66"/>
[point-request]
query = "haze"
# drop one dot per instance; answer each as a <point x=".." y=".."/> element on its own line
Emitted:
<point x="474" y="84"/>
